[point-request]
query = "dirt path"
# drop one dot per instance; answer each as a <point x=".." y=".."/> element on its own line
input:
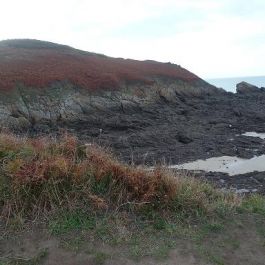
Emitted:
<point x="239" y="242"/>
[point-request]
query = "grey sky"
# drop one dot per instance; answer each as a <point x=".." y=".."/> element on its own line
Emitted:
<point x="212" y="38"/>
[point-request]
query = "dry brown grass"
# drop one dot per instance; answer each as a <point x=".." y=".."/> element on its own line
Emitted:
<point x="44" y="174"/>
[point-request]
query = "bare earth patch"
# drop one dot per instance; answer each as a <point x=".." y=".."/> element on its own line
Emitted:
<point x="238" y="241"/>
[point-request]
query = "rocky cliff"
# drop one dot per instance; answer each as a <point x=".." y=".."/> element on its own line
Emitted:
<point x="46" y="83"/>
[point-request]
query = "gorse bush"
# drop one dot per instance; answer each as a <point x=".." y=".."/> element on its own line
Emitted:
<point x="41" y="175"/>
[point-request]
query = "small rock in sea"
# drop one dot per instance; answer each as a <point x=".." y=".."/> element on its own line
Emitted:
<point x="245" y="88"/>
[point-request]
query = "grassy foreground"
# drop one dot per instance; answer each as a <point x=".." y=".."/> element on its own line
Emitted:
<point x="41" y="175"/>
<point x="81" y="191"/>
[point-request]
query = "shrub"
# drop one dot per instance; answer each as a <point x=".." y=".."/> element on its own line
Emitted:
<point x="44" y="174"/>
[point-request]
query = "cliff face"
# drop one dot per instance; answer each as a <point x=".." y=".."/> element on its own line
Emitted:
<point x="42" y="82"/>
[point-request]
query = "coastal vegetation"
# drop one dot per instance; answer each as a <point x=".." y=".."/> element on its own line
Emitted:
<point x="78" y="191"/>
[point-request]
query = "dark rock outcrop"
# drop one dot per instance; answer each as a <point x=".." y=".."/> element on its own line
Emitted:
<point x="183" y="138"/>
<point x="245" y="88"/>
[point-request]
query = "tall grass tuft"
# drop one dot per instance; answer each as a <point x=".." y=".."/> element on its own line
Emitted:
<point x="42" y="175"/>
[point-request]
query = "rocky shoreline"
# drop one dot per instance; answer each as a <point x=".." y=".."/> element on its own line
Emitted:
<point x="253" y="182"/>
<point x="179" y="131"/>
<point x="173" y="130"/>
<point x="147" y="112"/>
<point x="187" y="130"/>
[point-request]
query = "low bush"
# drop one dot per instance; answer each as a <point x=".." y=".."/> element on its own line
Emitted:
<point x="41" y="175"/>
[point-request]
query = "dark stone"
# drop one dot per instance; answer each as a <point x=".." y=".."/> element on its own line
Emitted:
<point x="244" y="88"/>
<point x="244" y="153"/>
<point x="182" y="138"/>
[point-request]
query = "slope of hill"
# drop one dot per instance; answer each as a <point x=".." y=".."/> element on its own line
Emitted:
<point x="43" y="82"/>
<point x="37" y="64"/>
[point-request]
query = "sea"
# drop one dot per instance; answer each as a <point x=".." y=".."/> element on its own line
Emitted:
<point x="229" y="84"/>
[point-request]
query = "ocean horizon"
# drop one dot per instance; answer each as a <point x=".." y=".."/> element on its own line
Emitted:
<point x="229" y="83"/>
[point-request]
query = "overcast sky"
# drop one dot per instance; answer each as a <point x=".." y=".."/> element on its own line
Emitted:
<point x="212" y="38"/>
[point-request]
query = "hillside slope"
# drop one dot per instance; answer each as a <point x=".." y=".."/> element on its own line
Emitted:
<point x="37" y="64"/>
<point x="43" y="82"/>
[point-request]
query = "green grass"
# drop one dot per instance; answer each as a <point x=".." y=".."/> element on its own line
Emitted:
<point x="214" y="227"/>
<point x="254" y="204"/>
<point x="154" y="234"/>
<point x="128" y="236"/>
<point x="67" y="221"/>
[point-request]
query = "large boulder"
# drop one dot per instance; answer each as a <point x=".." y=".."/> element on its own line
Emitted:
<point x="245" y="88"/>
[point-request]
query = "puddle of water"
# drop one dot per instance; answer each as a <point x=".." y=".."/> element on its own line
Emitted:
<point x="231" y="165"/>
<point x="226" y="164"/>
<point x="254" y="134"/>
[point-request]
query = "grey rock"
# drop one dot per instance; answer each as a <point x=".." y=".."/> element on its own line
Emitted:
<point x="182" y="138"/>
<point x="244" y="88"/>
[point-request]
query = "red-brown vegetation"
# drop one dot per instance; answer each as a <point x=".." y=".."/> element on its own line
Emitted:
<point x="39" y="66"/>
<point x="39" y="175"/>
